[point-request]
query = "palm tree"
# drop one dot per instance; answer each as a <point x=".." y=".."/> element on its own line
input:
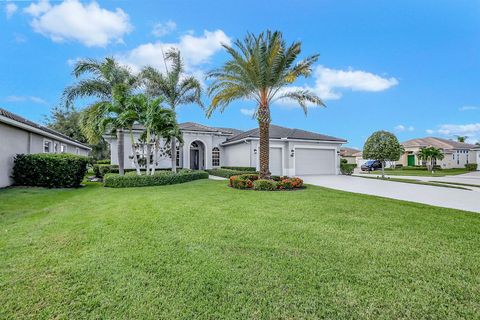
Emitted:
<point x="461" y="138"/>
<point x="260" y="69"/>
<point x="111" y="84"/>
<point x="159" y="122"/>
<point x="174" y="86"/>
<point x="430" y="155"/>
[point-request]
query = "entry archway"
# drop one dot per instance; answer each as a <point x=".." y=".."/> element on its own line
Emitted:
<point x="197" y="155"/>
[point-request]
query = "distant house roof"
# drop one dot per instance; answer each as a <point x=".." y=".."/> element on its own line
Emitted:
<point x="437" y="143"/>
<point x="20" y="120"/>
<point x="349" y="152"/>
<point x="278" y="132"/>
<point x="193" y="126"/>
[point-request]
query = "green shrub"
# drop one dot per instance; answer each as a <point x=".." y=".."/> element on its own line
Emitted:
<point x="264" y="185"/>
<point x="226" y="173"/>
<point x="471" y="166"/>
<point x="103" y="161"/>
<point x="249" y="169"/>
<point x="289" y="183"/>
<point x="49" y="170"/>
<point x="102" y="169"/>
<point x="399" y="166"/>
<point x="159" y="179"/>
<point x="347" y="168"/>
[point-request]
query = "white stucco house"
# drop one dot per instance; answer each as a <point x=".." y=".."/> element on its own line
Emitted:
<point x="19" y="135"/>
<point x="293" y="152"/>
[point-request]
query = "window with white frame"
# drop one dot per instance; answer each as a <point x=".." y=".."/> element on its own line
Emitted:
<point x="77" y="151"/>
<point x="215" y="157"/>
<point x="47" y="146"/>
<point x="63" y="148"/>
<point x="55" y="147"/>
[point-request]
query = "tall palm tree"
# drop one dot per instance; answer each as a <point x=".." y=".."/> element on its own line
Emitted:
<point x="174" y="86"/>
<point x="111" y="84"/>
<point x="260" y="69"/>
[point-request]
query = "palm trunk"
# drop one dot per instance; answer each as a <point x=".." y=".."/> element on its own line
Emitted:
<point x="120" y="152"/>
<point x="173" y="153"/>
<point x="134" y="150"/>
<point x="147" y="158"/>
<point x="155" y="154"/>
<point x="264" y="128"/>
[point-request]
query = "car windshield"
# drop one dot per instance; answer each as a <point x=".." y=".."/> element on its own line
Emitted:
<point x="369" y="162"/>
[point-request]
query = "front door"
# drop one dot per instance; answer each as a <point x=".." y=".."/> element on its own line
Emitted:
<point x="194" y="159"/>
<point x="411" y="160"/>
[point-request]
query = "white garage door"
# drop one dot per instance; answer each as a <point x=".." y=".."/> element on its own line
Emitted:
<point x="314" y="161"/>
<point x="276" y="161"/>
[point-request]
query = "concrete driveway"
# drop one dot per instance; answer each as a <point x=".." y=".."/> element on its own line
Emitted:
<point x="466" y="178"/>
<point x="436" y="196"/>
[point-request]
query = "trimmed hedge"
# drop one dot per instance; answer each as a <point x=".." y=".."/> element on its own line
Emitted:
<point x="248" y="169"/>
<point x="102" y="169"/>
<point x="227" y="173"/>
<point x="103" y="161"/>
<point x="250" y="181"/>
<point x="49" y="170"/>
<point x="471" y="167"/>
<point x="160" y="178"/>
<point x="347" y="168"/>
<point x="265" y="185"/>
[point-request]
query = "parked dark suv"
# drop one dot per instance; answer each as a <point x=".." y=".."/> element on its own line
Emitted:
<point x="371" y="165"/>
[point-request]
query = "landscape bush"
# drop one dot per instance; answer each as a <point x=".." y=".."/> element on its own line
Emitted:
<point x="226" y="173"/>
<point x="471" y="166"/>
<point x="265" y="185"/>
<point x="103" y="161"/>
<point x="160" y="178"/>
<point x="99" y="170"/>
<point x="248" y="169"/>
<point x="248" y="181"/>
<point x="347" y="168"/>
<point x="49" y="170"/>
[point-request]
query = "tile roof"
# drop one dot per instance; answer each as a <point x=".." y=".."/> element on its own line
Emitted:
<point x="278" y="132"/>
<point x="349" y="152"/>
<point x="17" y="118"/>
<point x="437" y="143"/>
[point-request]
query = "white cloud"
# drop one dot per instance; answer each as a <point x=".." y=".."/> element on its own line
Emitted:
<point x="430" y="131"/>
<point x="329" y="81"/>
<point x="469" y="108"/>
<point x="195" y="51"/>
<point x="161" y="29"/>
<point x="402" y="128"/>
<point x="471" y="130"/>
<point x="26" y="99"/>
<point x="247" y="112"/>
<point x="10" y="9"/>
<point x="88" y="24"/>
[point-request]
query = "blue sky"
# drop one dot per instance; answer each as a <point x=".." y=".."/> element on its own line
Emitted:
<point x="410" y="67"/>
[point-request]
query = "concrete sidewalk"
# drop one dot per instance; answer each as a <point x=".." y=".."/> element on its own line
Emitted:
<point x="436" y="196"/>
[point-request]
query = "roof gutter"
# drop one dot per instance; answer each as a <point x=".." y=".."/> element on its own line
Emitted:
<point x="41" y="132"/>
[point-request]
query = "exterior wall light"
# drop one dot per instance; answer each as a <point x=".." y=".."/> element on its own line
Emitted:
<point x="292" y="153"/>
<point x="254" y="151"/>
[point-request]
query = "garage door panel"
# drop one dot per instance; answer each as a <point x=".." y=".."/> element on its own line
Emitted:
<point x="276" y="161"/>
<point x="314" y="161"/>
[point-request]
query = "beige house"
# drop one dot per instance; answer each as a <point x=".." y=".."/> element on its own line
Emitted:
<point x="457" y="154"/>
<point x="350" y="154"/>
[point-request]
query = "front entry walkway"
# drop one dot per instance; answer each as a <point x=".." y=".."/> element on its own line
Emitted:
<point x="436" y="196"/>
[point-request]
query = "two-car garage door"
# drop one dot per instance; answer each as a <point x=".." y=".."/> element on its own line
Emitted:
<point x="314" y="161"/>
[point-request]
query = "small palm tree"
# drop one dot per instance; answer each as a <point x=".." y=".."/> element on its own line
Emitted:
<point x="260" y="69"/>
<point x="430" y="155"/>
<point x="462" y="138"/>
<point x="111" y="84"/>
<point x="174" y="86"/>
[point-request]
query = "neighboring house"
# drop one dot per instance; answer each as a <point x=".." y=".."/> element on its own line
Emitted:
<point x="457" y="154"/>
<point x="19" y="135"/>
<point x="292" y="151"/>
<point x="350" y="154"/>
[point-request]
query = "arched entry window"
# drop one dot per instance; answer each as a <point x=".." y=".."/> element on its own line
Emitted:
<point x="215" y="157"/>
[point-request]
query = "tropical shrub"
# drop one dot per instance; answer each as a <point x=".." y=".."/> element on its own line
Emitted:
<point x="103" y="161"/>
<point x="248" y="169"/>
<point x="248" y="181"/>
<point x="471" y="166"/>
<point x="264" y="185"/>
<point x="102" y="169"/>
<point x="226" y="173"/>
<point x="160" y="178"/>
<point x="347" y="168"/>
<point x="49" y="170"/>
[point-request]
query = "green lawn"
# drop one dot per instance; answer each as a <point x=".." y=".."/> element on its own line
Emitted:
<point x="202" y="250"/>
<point x="423" y="173"/>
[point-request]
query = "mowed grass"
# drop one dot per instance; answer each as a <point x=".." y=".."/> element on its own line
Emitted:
<point x="423" y="173"/>
<point x="202" y="250"/>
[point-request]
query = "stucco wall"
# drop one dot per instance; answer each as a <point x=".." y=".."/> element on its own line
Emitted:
<point x="238" y="155"/>
<point x="15" y="140"/>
